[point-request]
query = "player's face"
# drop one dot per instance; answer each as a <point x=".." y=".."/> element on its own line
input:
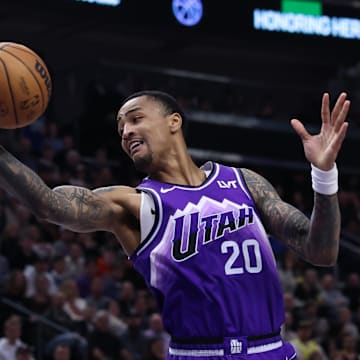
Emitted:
<point x="142" y="125"/>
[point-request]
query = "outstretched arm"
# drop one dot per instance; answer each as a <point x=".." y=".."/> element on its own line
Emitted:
<point x="315" y="240"/>
<point x="76" y="208"/>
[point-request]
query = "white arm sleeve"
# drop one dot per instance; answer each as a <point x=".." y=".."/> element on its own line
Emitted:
<point x="147" y="215"/>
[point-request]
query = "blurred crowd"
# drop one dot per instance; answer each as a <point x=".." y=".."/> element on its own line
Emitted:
<point x="76" y="296"/>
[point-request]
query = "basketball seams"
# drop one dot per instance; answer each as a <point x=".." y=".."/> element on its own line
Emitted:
<point x="21" y="48"/>
<point x="25" y="85"/>
<point x="10" y="91"/>
<point x="32" y="74"/>
<point x="4" y="46"/>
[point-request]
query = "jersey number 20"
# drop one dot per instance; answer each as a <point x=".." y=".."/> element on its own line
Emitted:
<point x="247" y="247"/>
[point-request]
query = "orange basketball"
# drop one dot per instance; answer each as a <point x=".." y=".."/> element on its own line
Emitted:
<point x="25" y="86"/>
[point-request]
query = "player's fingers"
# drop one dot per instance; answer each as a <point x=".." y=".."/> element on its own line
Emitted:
<point x="338" y="107"/>
<point x="338" y="140"/>
<point x="325" y="108"/>
<point x="300" y="129"/>
<point x="342" y="115"/>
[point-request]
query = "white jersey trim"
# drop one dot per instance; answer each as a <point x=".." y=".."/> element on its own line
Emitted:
<point x="147" y="215"/>
<point x="241" y="182"/>
<point x="220" y="352"/>
<point x="264" y="348"/>
<point x="151" y="223"/>
<point x="196" y="352"/>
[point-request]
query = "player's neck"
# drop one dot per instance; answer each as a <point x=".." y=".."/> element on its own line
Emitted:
<point x="180" y="169"/>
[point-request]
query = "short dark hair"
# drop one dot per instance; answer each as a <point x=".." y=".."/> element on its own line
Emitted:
<point x="166" y="100"/>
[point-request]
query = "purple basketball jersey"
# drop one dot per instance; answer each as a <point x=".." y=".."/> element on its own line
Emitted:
<point x="208" y="259"/>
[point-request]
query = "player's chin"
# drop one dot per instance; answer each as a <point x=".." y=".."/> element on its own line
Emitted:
<point x="142" y="163"/>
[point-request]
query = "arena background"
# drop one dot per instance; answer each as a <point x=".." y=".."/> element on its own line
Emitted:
<point x="240" y="86"/>
<point x="87" y="46"/>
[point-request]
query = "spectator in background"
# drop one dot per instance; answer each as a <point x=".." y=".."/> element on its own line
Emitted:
<point x="75" y="306"/>
<point x="58" y="271"/>
<point x="24" y="352"/>
<point x="133" y="339"/>
<point x="330" y="296"/>
<point x="141" y="306"/>
<point x="58" y="315"/>
<point x="18" y="246"/>
<point x="349" y="349"/>
<point x="114" y="279"/>
<point x="74" y="260"/>
<point x="107" y="260"/>
<point x="39" y="302"/>
<point x="344" y="324"/>
<point x="77" y="345"/>
<point x="304" y="343"/>
<point x="97" y="298"/>
<point x="62" y="352"/>
<point x="13" y="291"/>
<point x="117" y="325"/>
<point x="52" y="137"/>
<point x="292" y="305"/>
<point x="127" y="297"/>
<point x="156" y="330"/>
<point x="287" y="332"/>
<point x="308" y="288"/>
<point x="85" y="277"/>
<point x="321" y="326"/>
<point x="40" y="266"/>
<point x="352" y="290"/>
<point x="62" y="243"/>
<point x="287" y="271"/>
<point x="11" y="340"/>
<point x="25" y="153"/>
<point x="156" y="348"/>
<point x="89" y="243"/>
<point x="68" y="144"/>
<point x="103" y="344"/>
<point x="4" y="270"/>
<point x="15" y="286"/>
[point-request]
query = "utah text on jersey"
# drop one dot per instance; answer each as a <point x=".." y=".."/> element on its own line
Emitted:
<point x="191" y="230"/>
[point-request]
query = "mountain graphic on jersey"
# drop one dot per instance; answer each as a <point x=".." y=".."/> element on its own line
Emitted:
<point x="199" y="224"/>
<point x="197" y="227"/>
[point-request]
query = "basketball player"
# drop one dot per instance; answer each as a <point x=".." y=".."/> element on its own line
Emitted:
<point x="198" y="234"/>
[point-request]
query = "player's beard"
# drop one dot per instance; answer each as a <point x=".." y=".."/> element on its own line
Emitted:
<point x="143" y="163"/>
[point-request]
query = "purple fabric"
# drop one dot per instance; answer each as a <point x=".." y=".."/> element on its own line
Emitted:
<point x="209" y="261"/>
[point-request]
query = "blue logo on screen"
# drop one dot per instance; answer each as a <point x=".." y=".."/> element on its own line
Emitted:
<point x="103" y="2"/>
<point x="188" y="12"/>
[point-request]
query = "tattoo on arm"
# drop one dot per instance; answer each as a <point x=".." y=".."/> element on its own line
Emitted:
<point x="315" y="240"/>
<point x="77" y="208"/>
<point x="83" y="209"/>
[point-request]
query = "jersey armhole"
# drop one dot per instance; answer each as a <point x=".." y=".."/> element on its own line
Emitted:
<point x="147" y="215"/>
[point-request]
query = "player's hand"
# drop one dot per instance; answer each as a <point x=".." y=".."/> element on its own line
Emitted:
<point x="322" y="149"/>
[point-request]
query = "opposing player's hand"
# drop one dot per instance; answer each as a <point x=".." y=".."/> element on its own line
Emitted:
<point x="322" y="149"/>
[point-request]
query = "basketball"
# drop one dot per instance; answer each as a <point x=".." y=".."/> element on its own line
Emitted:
<point x="25" y="86"/>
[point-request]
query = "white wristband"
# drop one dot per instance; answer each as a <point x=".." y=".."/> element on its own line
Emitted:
<point x="324" y="182"/>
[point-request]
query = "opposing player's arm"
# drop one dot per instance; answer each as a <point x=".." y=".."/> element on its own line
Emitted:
<point x="316" y="240"/>
<point x="75" y="208"/>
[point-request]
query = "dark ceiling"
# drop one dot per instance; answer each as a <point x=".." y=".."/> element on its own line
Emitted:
<point x="84" y="40"/>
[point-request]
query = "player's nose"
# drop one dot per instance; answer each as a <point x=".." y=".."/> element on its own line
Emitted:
<point x="127" y="131"/>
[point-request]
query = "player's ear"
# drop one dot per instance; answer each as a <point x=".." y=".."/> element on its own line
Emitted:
<point x="175" y="122"/>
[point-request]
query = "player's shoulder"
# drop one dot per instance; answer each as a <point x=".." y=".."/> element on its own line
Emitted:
<point x="123" y="199"/>
<point x="249" y="175"/>
<point x="115" y="191"/>
<point x="259" y="187"/>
